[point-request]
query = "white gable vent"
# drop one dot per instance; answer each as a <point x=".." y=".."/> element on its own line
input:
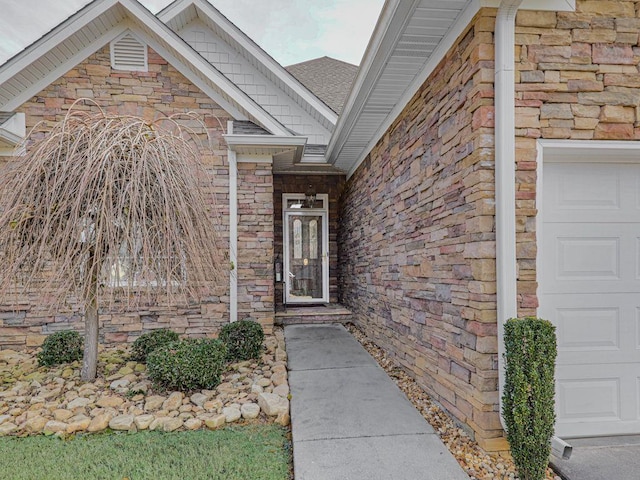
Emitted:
<point x="128" y="53"/>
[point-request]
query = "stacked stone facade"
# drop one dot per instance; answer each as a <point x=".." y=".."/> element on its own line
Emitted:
<point x="255" y="243"/>
<point x="417" y="239"/>
<point x="322" y="184"/>
<point x="161" y="91"/>
<point x="417" y="218"/>
<point x="577" y="78"/>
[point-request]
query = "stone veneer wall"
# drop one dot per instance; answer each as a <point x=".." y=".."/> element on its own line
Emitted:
<point x="327" y="184"/>
<point x="417" y="260"/>
<point x="255" y="243"/>
<point x="160" y="91"/>
<point x="577" y="77"/>
<point x="417" y="226"/>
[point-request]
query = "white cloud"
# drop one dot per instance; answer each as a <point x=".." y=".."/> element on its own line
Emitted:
<point x="291" y="31"/>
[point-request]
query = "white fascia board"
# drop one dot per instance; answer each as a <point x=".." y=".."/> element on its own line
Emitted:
<point x="253" y="49"/>
<point x="246" y="146"/>
<point x="63" y="68"/>
<point x="392" y="21"/>
<point x="191" y="60"/>
<point x="443" y="47"/>
<point x="543" y="5"/>
<point x="14" y="129"/>
<point x="462" y="22"/>
<point x="252" y="158"/>
<point x="9" y="137"/>
<point x="56" y="36"/>
<point x="569" y="151"/>
<point x="264" y="140"/>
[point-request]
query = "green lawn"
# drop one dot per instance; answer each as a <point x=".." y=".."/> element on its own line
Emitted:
<point x="247" y="453"/>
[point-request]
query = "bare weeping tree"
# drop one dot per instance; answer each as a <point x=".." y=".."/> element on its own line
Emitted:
<point x="109" y="209"/>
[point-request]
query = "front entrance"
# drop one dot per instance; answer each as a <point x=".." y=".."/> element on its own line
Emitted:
<point x="306" y="239"/>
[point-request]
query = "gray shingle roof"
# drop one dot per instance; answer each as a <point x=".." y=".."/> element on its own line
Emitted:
<point x="245" y="127"/>
<point x="329" y="79"/>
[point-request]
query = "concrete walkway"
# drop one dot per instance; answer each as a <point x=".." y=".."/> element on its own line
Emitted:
<point x="601" y="458"/>
<point x="349" y="419"/>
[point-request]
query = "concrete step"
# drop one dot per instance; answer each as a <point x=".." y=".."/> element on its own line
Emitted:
<point x="330" y="313"/>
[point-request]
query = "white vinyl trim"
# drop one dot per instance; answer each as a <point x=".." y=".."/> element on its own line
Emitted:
<point x="63" y="68"/>
<point x="443" y="47"/>
<point x="233" y="235"/>
<point x="505" y="170"/>
<point x="253" y="49"/>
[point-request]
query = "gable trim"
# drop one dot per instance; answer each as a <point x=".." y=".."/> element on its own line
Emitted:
<point x="63" y="68"/>
<point x="191" y="64"/>
<point x="175" y="8"/>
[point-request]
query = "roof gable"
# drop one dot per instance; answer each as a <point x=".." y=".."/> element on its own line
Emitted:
<point x="96" y="25"/>
<point x="328" y="78"/>
<point x="255" y="72"/>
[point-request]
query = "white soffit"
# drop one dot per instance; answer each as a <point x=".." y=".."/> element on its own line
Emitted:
<point x="96" y="25"/>
<point x="410" y="39"/>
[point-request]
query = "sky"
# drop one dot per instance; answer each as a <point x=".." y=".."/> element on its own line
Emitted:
<point x="291" y="31"/>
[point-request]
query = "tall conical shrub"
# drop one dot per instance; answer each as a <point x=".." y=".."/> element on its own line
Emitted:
<point x="528" y="397"/>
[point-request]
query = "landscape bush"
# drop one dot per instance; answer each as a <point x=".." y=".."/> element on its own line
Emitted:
<point x="61" y="347"/>
<point x="528" y="397"/>
<point x="243" y="339"/>
<point x="186" y="365"/>
<point x="148" y="342"/>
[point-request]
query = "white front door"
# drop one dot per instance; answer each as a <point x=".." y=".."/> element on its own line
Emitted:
<point x="306" y="256"/>
<point x="590" y="289"/>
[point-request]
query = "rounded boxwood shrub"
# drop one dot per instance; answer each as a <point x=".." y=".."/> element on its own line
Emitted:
<point x="528" y="397"/>
<point x="243" y="340"/>
<point x="148" y="342"/>
<point x="189" y="364"/>
<point x="61" y="347"/>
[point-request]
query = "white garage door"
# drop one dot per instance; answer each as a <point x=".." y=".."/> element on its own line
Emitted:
<point x="590" y="289"/>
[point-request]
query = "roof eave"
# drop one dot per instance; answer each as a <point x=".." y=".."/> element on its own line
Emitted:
<point x="393" y="18"/>
<point x="380" y="45"/>
<point x="137" y="13"/>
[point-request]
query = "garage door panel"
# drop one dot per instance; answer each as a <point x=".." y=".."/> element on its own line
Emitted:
<point x="595" y="329"/>
<point x="595" y="402"/>
<point x="589" y="273"/>
<point x="580" y="258"/>
<point x="579" y="192"/>
<point x="593" y="188"/>
<point x="576" y="399"/>
<point x="588" y="329"/>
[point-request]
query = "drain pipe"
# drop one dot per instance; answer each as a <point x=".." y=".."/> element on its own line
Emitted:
<point x="233" y="230"/>
<point x="505" y="171"/>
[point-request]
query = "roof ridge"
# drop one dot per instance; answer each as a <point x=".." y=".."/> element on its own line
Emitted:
<point x="320" y="58"/>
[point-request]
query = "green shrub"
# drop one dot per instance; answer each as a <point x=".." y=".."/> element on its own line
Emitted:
<point x="243" y="340"/>
<point x="188" y="364"/>
<point x="148" y="342"/>
<point x="61" y="347"/>
<point x="528" y="398"/>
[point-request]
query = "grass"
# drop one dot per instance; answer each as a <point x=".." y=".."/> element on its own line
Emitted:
<point x="239" y="453"/>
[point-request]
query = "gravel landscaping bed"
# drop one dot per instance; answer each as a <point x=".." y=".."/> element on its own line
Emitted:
<point x="478" y="464"/>
<point x="53" y="400"/>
